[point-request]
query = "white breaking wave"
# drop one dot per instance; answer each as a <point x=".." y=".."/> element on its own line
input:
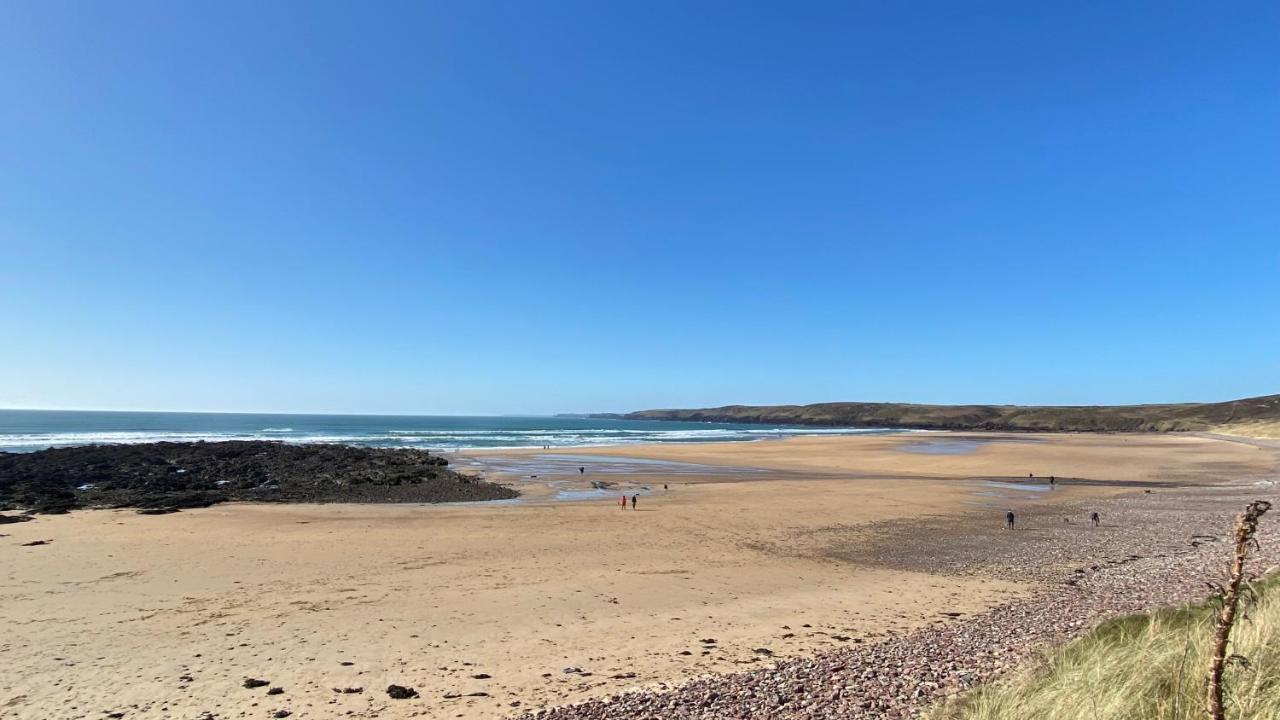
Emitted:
<point x="114" y="438"/>
<point x="442" y="439"/>
<point x="37" y="440"/>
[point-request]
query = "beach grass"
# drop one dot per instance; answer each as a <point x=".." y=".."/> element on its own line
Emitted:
<point x="1143" y="667"/>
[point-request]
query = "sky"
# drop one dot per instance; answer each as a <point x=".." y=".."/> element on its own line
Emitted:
<point x="533" y="207"/>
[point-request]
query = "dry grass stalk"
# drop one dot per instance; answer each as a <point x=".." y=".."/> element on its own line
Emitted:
<point x="1246" y="527"/>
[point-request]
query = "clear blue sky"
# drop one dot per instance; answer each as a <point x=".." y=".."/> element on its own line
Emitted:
<point x="483" y="207"/>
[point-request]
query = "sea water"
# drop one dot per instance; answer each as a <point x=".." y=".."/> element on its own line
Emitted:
<point x="30" y="430"/>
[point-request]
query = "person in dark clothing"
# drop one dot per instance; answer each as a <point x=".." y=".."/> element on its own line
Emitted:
<point x="634" y="498"/>
<point x="1095" y="518"/>
<point x="1008" y="519"/>
<point x="581" y="470"/>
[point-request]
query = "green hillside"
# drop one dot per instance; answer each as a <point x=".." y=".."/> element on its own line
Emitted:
<point x="1258" y="416"/>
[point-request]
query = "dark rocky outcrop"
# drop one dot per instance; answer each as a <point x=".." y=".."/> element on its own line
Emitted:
<point x="167" y="477"/>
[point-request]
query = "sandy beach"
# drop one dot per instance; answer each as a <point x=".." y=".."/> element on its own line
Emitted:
<point x="757" y="552"/>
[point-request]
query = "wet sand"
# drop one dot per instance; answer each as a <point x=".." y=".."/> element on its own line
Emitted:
<point x="1110" y="457"/>
<point x="164" y="616"/>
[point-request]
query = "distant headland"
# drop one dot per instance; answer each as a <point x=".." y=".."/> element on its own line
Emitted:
<point x="1256" y="417"/>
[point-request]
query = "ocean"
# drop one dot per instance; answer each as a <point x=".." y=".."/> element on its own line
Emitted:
<point x="30" y="430"/>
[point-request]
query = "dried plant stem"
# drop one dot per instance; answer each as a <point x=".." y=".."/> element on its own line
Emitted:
<point x="1246" y="527"/>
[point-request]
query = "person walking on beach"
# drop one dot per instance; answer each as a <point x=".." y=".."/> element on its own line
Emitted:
<point x="581" y="470"/>
<point x="1095" y="518"/>
<point x="634" y="498"/>
<point x="623" y="502"/>
<point x="1008" y="519"/>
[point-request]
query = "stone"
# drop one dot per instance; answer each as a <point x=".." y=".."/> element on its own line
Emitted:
<point x="400" y="692"/>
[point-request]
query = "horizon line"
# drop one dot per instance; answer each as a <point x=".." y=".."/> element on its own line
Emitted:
<point x="609" y="412"/>
<point x="278" y="412"/>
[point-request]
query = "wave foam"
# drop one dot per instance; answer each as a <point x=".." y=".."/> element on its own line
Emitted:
<point x="469" y="438"/>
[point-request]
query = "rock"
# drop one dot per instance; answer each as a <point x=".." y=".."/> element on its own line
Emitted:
<point x="9" y="519"/>
<point x="34" y="543"/>
<point x="275" y="691"/>
<point x="481" y="676"/>
<point x="160" y="478"/>
<point x="572" y="670"/>
<point x="400" y="692"/>
<point x="281" y="714"/>
<point x="255" y="683"/>
<point x="349" y="690"/>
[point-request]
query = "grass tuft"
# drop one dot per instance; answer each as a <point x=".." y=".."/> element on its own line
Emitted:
<point x="1143" y="667"/>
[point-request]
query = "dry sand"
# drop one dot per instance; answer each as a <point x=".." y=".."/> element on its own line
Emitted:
<point x="164" y="616"/>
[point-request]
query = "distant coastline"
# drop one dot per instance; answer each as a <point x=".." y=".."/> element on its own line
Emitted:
<point x="1255" y="417"/>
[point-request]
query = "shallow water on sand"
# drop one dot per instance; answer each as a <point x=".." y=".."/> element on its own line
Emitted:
<point x="592" y="466"/>
<point x="957" y="446"/>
